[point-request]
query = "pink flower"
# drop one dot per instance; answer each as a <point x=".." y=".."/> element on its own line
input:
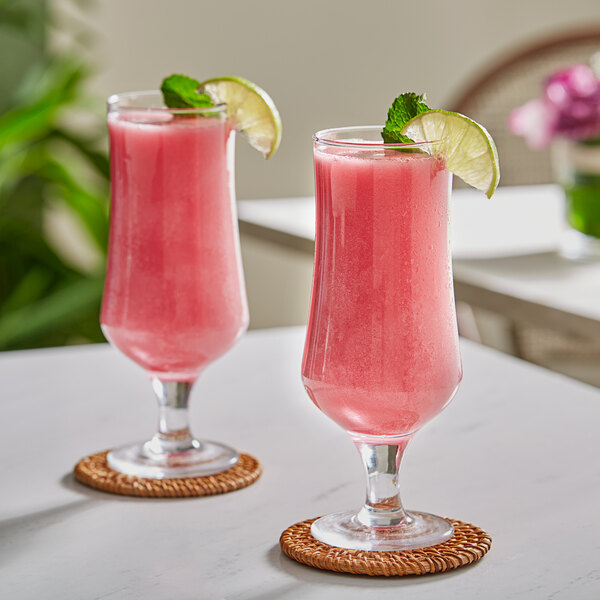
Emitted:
<point x="535" y="121"/>
<point x="570" y="106"/>
<point x="574" y="93"/>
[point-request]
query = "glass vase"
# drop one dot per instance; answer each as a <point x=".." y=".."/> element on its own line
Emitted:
<point x="576" y="166"/>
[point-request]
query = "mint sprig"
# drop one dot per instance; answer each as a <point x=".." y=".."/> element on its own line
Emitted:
<point x="404" y="108"/>
<point x="180" y="91"/>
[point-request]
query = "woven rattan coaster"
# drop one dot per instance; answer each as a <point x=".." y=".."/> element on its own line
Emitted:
<point x="466" y="546"/>
<point x="95" y="472"/>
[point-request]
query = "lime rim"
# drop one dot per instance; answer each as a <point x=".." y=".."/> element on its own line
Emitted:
<point x="482" y="130"/>
<point x="263" y="95"/>
<point x="114" y="103"/>
<point x="320" y="137"/>
<point x="249" y="85"/>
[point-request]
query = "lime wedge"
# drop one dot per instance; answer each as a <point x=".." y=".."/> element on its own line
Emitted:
<point x="469" y="150"/>
<point x="252" y="109"/>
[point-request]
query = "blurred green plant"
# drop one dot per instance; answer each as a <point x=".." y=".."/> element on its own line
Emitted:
<point x="48" y="296"/>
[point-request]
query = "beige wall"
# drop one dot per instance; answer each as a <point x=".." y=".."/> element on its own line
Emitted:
<point x="325" y="62"/>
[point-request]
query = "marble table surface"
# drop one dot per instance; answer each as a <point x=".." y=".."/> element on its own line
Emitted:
<point x="515" y="453"/>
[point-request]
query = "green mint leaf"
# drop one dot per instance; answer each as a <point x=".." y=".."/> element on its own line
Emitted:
<point x="405" y="107"/>
<point x="179" y="91"/>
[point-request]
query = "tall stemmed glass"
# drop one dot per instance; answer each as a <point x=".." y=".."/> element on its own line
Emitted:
<point x="381" y="357"/>
<point x="174" y="298"/>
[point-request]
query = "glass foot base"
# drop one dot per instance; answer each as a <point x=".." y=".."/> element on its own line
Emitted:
<point x="344" y="530"/>
<point x="575" y="245"/>
<point x="204" y="458"/>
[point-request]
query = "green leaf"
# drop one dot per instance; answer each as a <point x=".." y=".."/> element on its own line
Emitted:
<point x="29" y="289"/>
<point x="21" y="244"/>
<point x="16" y="17"/>
<point x="26" y="203"/>
<point x="35" y="118"/>
<point x="45" y="157"/>
<point x="591" y="142"/>
<point x="99" y="160"/>
<point x="91" y="210"/>
<point x="180" y="91"/>
<point x="51" y="313"/>
<point x="404" y="108"/>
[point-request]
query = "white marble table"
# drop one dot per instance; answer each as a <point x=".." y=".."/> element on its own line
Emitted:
<point x="504" y="252"/>
<point x="516" y="453"/>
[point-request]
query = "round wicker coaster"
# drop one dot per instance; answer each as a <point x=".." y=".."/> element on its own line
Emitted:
<point x="95" y="472"/>
<point x="466" y="546"/>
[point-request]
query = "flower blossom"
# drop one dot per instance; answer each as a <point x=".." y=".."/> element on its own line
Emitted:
<point x="535" y="121"/>
<point x="569" y="107"/>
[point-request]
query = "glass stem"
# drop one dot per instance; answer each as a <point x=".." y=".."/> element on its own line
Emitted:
<point x="383" y="507"/>
<point x="173" y="435"/>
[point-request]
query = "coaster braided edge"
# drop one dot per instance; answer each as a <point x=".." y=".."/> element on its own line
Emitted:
<point x="468" y="545"/>
<point x="95" y="472"/>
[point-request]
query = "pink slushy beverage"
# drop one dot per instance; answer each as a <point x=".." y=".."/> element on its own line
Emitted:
<point x="381" y="355"/>
<point x="174" y="297"/>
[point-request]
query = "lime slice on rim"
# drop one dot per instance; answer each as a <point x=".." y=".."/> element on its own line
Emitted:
<point x="252" y="109"/>
<point x="470" y="151"/>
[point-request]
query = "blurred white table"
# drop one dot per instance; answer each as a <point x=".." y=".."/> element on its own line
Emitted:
<point x="514" y="453"/>
<point x="504" y="253"/>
